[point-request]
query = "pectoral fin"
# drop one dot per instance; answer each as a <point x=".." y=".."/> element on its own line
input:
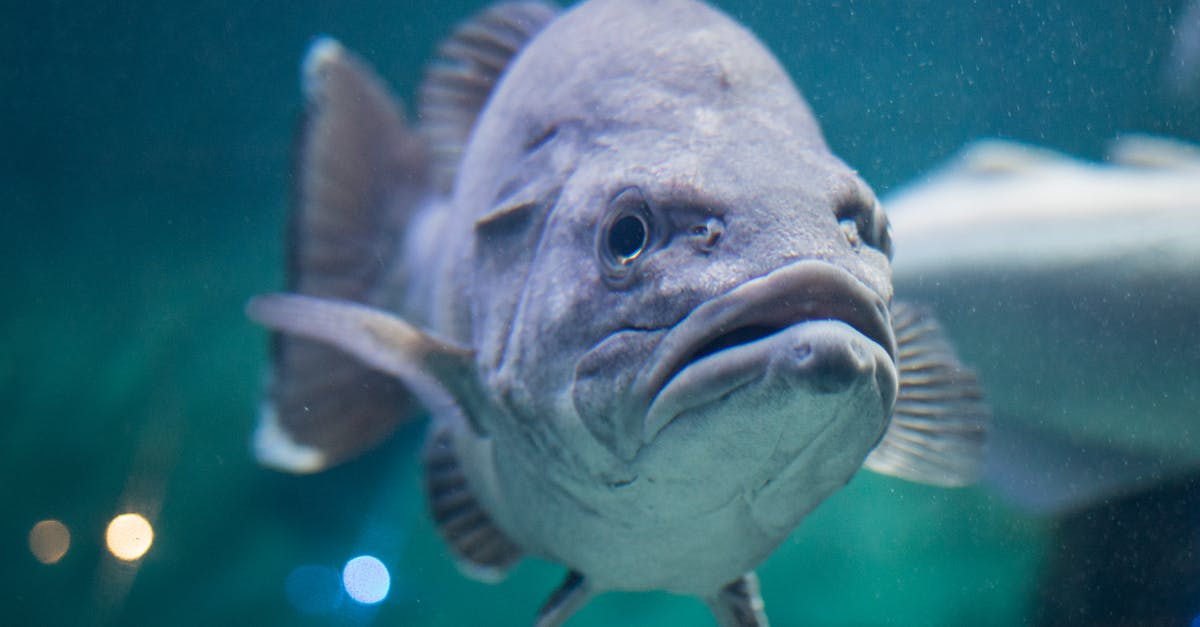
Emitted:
<point x="938" y="427"/>
<point x="440" y="374"/>
<point x="483" y="550"/>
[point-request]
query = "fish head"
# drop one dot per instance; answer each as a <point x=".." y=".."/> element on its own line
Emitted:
<point x="674" y="276"/>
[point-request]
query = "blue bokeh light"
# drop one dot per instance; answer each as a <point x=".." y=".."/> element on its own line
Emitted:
<point x="314" y="590"/>
<point x="366" y="579"/>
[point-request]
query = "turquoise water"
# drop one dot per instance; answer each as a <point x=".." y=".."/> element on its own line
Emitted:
<point x="145" y="181"/>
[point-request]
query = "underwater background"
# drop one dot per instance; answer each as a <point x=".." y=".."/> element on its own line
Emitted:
<point x="145" y="152"/>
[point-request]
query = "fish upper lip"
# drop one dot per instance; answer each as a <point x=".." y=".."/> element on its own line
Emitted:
<point x="799" y="292"/>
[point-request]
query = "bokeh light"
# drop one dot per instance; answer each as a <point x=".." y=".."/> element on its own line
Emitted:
<point x="366" y="579"/>
<point x="49" y="541"/>
<point x="129" y="536"/>
<point x="314" y="589"/>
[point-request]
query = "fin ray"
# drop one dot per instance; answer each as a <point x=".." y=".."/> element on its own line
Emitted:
<point x="484" y="552"/>
<point x="439" y="373"/>
<point x="358" y="174"/>
<point x="938" y="426"/>
<point x="458" y="85"/>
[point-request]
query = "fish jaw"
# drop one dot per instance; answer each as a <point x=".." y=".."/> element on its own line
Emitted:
<point x="725" y="481"/>
<point x="811" y="400"/>
<point x="817" y="358"/>
<point x="810" y="322"/>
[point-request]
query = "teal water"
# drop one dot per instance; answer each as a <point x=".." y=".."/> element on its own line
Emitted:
<point x="145" y="154"/>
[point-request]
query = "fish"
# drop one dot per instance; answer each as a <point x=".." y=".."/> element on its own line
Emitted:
<point x="647" y="309"/>
<point x="1072" y="286"/>
<point x="1179" y="75"/>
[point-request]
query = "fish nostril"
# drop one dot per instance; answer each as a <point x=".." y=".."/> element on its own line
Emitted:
<point x="705" y="235"/>
<point x="863" y="221"/>
<point x="850" y="230"/>
<point x="857" y="220"/>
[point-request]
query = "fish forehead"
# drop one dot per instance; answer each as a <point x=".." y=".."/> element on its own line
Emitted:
<point x="723" y="161"/>
<point x="615" y="66"/>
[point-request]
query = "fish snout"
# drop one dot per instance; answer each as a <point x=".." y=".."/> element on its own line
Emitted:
<point x="829" y="357"/>
<point x="826" y="363"/>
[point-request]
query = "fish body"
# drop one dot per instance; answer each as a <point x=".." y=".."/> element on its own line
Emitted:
<point x="649" y="311"/>
<point x="1073" y="284"/>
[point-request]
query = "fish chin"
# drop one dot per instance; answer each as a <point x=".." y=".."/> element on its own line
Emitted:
<point x="767" y="418"/>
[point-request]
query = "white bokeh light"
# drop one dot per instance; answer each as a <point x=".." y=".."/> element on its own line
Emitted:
<point x="129" y="536"/>
<point x="366" y="579"/>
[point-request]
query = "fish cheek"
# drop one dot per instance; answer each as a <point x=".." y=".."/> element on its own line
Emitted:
<point x="601" y="375"/>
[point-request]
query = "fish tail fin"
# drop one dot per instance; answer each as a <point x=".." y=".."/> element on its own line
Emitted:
<point x="360" y="174"/>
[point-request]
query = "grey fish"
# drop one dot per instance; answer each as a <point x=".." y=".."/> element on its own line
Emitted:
<point x="1073" y="285"/>
<point x="649" y="311"/>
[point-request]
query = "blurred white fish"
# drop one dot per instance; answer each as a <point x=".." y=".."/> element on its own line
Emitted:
<point x="1181" y="73"/>
<point x="1075" y="288"/>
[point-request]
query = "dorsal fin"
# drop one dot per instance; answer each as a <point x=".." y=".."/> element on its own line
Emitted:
<point x="998" y="157"/>
<point x="1149" y="151"/>
<point x="458" y="84"/>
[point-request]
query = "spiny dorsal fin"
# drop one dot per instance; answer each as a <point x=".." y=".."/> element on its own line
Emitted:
<point x="938" y="426"/>
<point x="359" y="174"/>
<point x="458" y="84"/>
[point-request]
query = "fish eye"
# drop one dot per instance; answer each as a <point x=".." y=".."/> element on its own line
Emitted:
<point x="626" y="235"/>
<point x="627" y="238"/>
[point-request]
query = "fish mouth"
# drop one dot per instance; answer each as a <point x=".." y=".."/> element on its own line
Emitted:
<point x="756" y="312"/>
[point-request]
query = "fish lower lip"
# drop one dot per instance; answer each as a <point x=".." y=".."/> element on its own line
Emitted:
<point x="760" y="308"/>
<point x="814" y="358"/>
